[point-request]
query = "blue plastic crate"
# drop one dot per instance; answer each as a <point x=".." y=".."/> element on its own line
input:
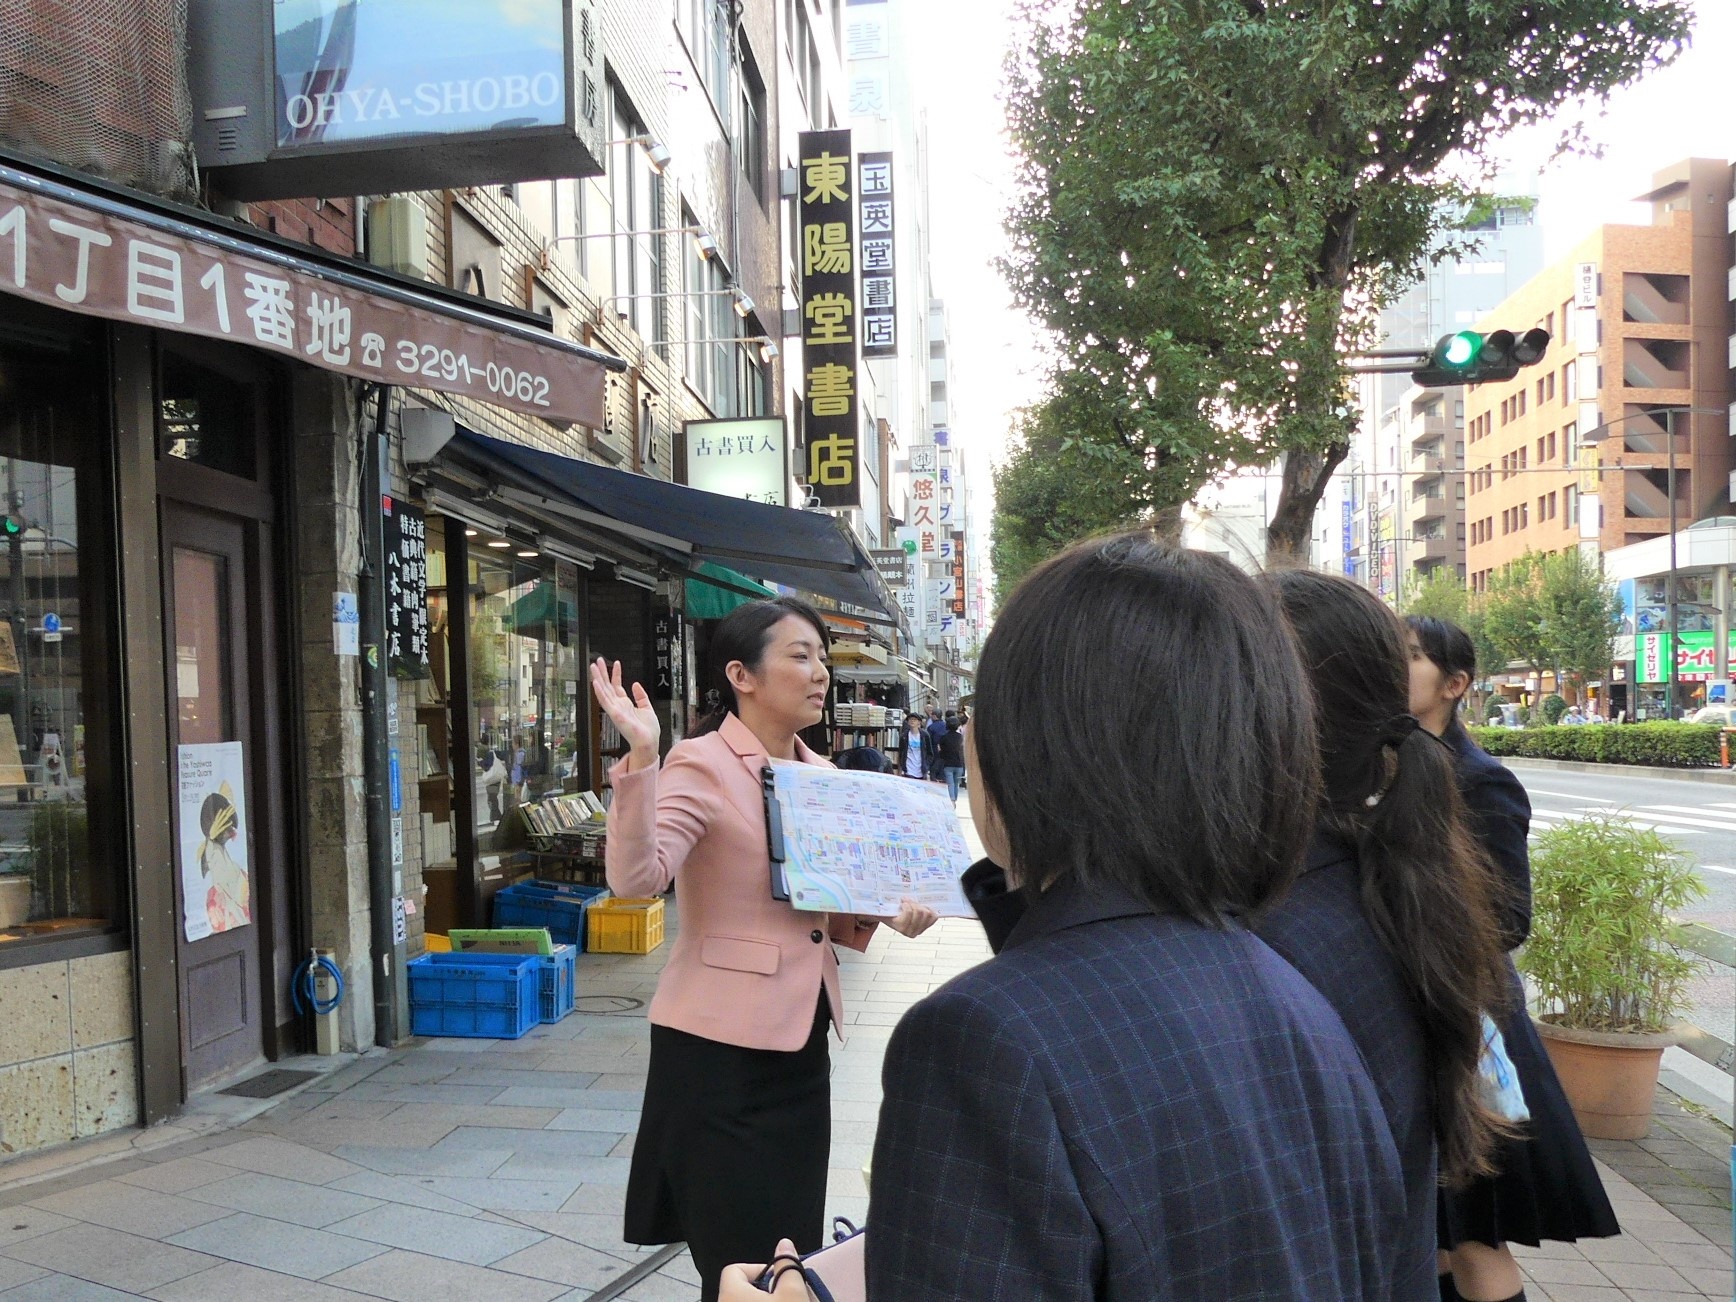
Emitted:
<point x="559" y="978"/>
<point x="534" y="904"/>
<point x="483" y="996"/>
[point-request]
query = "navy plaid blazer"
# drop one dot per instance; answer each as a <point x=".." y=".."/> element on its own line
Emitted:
<point x="1501" y="819"/>
<point x="1123" y="1105"/>
<point x="1320" y="930"/>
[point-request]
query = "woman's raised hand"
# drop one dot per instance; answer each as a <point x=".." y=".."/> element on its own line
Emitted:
<point x="633" y="714"/>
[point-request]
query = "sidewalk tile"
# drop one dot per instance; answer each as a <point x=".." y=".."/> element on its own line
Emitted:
<point x="417" y="1277"/>
<point x="458" y="1162"/>
<point x="412" y="1191"/>
<point x="1713" y="1283"/>
<point x="562" y="1262"/>
<point x="277" y="1245"/>
<point x="505" y="1195"/>
<point x="178" y="1175"/>
<point x="232" y="1280"/>
<point x="438" y="1234"/>
<point x="616" y="1122"/>
<point x="1626" y="1248"/>
<point x="130" y="1209"/>
<point x="14" y="1273"/>
<point x="587" y="1170"/>
<point x="20" y="1223"/>
<point x="277" y="1157"/>
<point x="63" y="1288"/>
<point x="1649" y="1278"/>
<point x="658" y="1288"/>
<point x="104" y="1256"/>
<point x="543" y="1143"/>
<point x="312" y="1205"/>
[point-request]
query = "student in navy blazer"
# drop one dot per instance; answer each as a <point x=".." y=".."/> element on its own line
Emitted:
<point x="1544" y="1184"/>
<point x="1136" y="1098"/>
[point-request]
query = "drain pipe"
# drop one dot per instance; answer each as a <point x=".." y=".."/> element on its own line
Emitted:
<point x="387" y="956"/>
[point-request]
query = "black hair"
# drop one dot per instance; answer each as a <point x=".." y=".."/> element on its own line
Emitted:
<point x="1448" y="645"/>
<point x="1427" y="887"/>
<point x="952" y="723"/>
<point x="744" y="634"/>
<point x="1223" y="730"/>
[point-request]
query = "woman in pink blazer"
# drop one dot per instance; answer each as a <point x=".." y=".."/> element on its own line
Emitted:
<point x="735" y="1131"/>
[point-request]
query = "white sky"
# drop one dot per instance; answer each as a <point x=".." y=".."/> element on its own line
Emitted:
<point x="1674" y="113"/>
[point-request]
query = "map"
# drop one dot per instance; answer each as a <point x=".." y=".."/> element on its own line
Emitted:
<point x="861" y="842"/>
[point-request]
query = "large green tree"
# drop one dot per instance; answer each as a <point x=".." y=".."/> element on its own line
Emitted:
<point x="1217" y="196"/>
<point x="1555" y="612"/>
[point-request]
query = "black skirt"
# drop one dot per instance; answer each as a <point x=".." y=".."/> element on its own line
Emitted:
<point x="1544" y="1186"/>
<point x="732" y="1149"/>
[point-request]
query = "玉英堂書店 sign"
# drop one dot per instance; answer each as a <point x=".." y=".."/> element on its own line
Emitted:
<point x="878" y="235"/>
<point x="747" y="458"/>
<point x="407" y="642"/>
<point x="831" y="322"/>
<point x="892" y="563"/>
<point x="97" y="262"/>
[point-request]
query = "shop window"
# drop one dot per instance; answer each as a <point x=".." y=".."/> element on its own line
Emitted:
<point x="205" y="417"/>
<point x="57" y="695"/>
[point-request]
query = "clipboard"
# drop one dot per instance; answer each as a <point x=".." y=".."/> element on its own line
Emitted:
<point x="774" y="833"/>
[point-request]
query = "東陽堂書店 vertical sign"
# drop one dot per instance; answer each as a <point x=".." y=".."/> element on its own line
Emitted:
<point x="879" y="257"/>
<point x="830" y="319"/>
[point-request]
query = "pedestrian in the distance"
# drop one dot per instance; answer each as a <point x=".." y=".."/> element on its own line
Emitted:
<point x="735" y="1132"/>
<point x="918" y="749"/>
<point x="1392" y="918"/>
<point x="1544" y="1184"/>
<point x="951" y="757"/>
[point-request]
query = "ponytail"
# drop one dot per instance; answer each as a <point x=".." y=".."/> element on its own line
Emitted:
<point x="1427" y="887"/>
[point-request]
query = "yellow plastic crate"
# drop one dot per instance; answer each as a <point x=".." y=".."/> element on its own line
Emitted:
<point x="624" y="926"/>
<point x="436" y="944"/>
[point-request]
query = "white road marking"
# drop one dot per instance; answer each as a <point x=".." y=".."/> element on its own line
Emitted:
<point x="1570" y="795"/>
<point x="1714" y="868"/>
<point x="1559" y="816"/>
<point x="1678" y="813"/>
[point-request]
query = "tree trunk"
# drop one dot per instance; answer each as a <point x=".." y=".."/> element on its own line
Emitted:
<point x="1305" y="478"/>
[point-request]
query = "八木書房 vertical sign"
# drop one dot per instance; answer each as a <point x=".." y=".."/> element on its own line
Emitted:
<point x="879" y="256"/>
<point x="831" y="318"/>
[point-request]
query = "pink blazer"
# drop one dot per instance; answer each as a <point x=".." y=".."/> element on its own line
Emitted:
<point x="745" y="969"/>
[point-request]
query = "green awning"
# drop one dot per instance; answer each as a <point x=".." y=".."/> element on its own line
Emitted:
<point x="532" y="614"/>
<point x="715" y="600"/>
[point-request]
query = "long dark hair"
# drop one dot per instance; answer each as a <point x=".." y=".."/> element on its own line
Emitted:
<point x="1449" y="646"/>
<point x="1427" y="886"/>
<point x="1197" y="794"/>
<point x="744" y="634"/>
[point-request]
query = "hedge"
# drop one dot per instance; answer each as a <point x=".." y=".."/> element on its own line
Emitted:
<point x="1657" y="745"/>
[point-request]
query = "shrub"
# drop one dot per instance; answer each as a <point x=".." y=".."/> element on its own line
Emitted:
<point x="1553" y="708"/>
<point x="1604" y="894"/>
<point x="1656" y="745"/>
<point x="1493" y="713"/>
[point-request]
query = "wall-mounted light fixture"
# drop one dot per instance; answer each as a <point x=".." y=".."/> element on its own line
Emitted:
<point x="638" y="578"/>
<point x="655" y="153"/>
<point x="743" y="305"/>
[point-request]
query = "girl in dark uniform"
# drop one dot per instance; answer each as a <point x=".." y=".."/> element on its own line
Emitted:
<point x="1544" y="1186"/>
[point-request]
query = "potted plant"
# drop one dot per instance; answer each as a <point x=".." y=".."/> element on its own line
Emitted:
<point x="1611" y="981"/>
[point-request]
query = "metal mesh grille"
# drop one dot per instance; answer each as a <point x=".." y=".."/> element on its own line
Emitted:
<point x="100" y="86"/>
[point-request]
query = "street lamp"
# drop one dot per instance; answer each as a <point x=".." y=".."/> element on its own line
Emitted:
<point x="1595" y="435"/>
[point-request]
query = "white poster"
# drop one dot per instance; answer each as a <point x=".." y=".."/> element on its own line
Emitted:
<point x="215" y="886"/>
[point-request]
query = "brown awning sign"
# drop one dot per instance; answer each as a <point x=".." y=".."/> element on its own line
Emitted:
<point x="158" y="271"/>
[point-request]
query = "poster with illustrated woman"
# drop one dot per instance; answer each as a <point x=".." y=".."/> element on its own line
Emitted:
<point x="216" y="884"/>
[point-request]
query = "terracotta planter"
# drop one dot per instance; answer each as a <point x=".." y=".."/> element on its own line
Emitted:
<point x="1610" y="1077"/>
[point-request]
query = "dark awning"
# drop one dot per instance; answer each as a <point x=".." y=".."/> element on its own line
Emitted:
<point x="80" y="245"/>
<point x="808" y="550"/>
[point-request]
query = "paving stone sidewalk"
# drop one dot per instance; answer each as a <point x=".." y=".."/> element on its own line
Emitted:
<point x="460" y="1168"/>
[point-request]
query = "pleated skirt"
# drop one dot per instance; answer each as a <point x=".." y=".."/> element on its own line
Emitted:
<point x="732" y="1149"/>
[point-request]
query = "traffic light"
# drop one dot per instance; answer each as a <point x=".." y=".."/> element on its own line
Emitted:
<point x="11" y="526"/>
<point x="1468" y="357"/>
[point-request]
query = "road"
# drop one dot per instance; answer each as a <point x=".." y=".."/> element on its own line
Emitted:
<point x="1698" y="817"/>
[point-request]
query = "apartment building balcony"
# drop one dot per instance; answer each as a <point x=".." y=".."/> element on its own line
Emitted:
<point x="1428" y="459"/>
<point x="1655" y="363"/>
<point x="1655" y="299"/>
<point x="1422" y="552"/>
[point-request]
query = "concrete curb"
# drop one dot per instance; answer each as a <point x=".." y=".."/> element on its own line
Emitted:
<point x="1719" y="777"/>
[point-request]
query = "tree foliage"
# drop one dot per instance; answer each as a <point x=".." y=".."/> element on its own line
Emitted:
<point x="1216" y="197"/>
<point x="1555" y="612"/>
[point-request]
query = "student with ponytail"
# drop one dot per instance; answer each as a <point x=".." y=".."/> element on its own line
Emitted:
<point x="1543" y="1184"/>
<point x="1394" y="916"/>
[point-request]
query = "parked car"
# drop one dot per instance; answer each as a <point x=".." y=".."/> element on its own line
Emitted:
<point x="1722" y="715"/>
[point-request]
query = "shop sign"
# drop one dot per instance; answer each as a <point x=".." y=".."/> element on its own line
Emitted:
<point x="211" y="795"/>
<point x="104" y="265"/>
<point x="879" y="257"/>
<point x="831" y="321"/>
<point x="890" y="561"/>
<point x="1585" y="285"/>
<point x="665" y="639"/>
<point x="1695" y="662"/>
<point x="925" y="499"/>
<point x="958" y="575"/>
<point x="747" y="459"/>
<point x="868" y="49"/>
<point x="406" y="590"/>
<point x="910" y="594"/>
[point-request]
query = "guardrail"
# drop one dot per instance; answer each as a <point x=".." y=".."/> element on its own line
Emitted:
<point x="1715" y="947"/>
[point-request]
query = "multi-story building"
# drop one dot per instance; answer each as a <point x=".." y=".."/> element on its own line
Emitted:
<point x="1575" y="450"/>
<point x="1394" y="512"/>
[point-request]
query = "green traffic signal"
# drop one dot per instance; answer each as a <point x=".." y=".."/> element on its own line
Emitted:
<point x="1462" y="349"/>
<point x="12" y="525"/>
<point x="1471" y="357"/>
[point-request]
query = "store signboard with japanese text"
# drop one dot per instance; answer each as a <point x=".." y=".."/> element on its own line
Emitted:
<point x="868" y="51"/>
<point x="958" y="574"/>
<point x="879" y="256"/>
<point x="406" y="590"/>
<point x="925" y="500"/>
<point x="892" y="563"/>
<point x="910" y="594"/>
<point x="831" y="322"/>
<point x="105" y="265"/>
<point x="666" y="654"/>
<point x="747" y="459"/>
<point x="1695" y="662"/>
